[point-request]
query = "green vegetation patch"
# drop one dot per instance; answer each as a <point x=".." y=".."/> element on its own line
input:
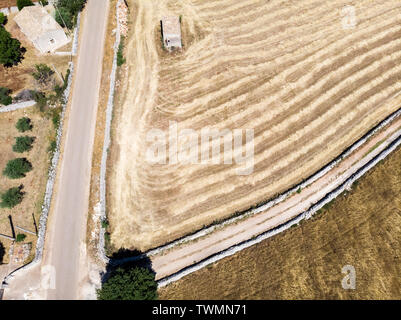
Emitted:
<point x="17" y="168"/>
<point x="12" y="197"/>
<point x="23" y="144"/>
<point x="132" y="283"/>
<point x="24" y="124"/>
<point x="5" y="96"/>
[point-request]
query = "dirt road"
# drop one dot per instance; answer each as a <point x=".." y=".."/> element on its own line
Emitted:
<point x="188" y="254"/>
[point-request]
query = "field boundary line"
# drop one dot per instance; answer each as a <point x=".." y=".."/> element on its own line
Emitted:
<point x="272" y="202"/>
<point x="17" y="106"/>
<point x="393" y="143"/>
<point x="107" y="139"/>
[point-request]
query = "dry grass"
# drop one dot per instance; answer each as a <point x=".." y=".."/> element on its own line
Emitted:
<point x="7" y="3"/>
<point x="100" y="125"/>
<point x="360" y="228"/>
<point x="35" y="181"/>
<point x="287" y="69"/>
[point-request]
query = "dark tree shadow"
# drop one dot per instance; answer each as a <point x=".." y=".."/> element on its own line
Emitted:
<point x="126" y="259"/>
<point x="2" y="253"/>
<point x="17" y="62"/>
<point x="125" y="254"/>
<point x="5" y="20"/>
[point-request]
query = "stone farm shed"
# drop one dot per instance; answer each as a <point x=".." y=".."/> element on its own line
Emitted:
<point x="41" y="29"/>
<point x="171" y="31"/>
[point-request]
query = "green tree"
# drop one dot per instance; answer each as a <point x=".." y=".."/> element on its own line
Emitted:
<point x="12" y="197"/>
<point x="11" y="52"/>
<point x="5" y="96"/>
<point x="24" y="124"/>
<point x="135" y="283"/>
<point x="73" y="6"/>
<point x="3" y="19"/>
<point x="23" y="144"/>
<point x="64" y="18"/>
<point x="17" y="168"/>
<point x="68" y="11"/>
<point x="24" y="3"/>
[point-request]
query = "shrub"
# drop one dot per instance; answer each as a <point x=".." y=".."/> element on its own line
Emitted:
<point x="12" y="197"/>
<point x="11" y="52"/>
<point x="58" y="90"/>
<point x="42" y="74"/>
<point x="23" y="144"/>
<point x="105" y="223"/>
<point x="5" y="96"/>
<point x="40" y="99"/>
<point x="135" y="283"/>
<point x="56" y="120"/>
<point x="65" y="78"/>
<point x="24" y="3"/>
<point x="17" y="168"/>
<point x="3" y="19"/>
<point x="24" y="124"/>
<point x="20" y="237"/>
<point x="52" y="147"/>
<point x="120" y="54"/>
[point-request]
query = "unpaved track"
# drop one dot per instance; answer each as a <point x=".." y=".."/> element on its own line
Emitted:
<point x="287" y="69"/>
<point x="166" y="264"/>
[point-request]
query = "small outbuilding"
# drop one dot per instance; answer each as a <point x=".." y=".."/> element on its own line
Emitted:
<point x="41" y="29"/>
<point x="171" y="31"/>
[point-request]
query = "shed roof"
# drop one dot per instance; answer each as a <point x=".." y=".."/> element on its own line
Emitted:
<point x="35" y="22"/>
<point x="171" y="25"/>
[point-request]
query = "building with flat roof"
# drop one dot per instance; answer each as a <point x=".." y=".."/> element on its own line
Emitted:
<point x="41" y="29"/>
<point x="171" y="31"/>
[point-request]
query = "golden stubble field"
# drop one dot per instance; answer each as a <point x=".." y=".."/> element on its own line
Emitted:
<point x="361" y="228"/>
<point x="286" y="69"/>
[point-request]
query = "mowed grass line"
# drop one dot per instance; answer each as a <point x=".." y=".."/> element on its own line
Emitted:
<point x="361" y="228"/>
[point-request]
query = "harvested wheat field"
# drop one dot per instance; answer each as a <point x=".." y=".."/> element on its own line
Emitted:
<point x="361" y="228"/>
<point x="286" y="69"/>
